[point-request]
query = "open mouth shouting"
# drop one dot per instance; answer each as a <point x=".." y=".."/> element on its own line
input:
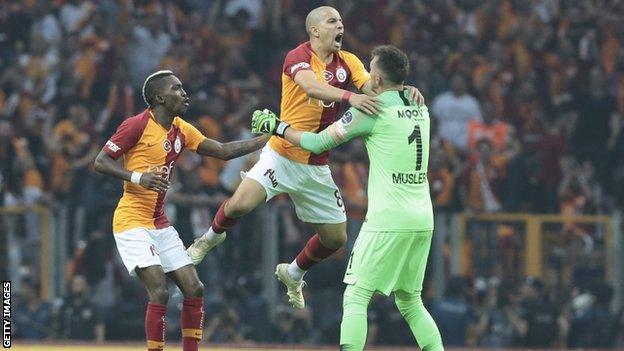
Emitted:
<point x="338" y="40"/>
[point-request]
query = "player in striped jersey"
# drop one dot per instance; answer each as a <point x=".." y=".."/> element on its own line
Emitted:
<point x="315" y="79"/>
<point x="149" y="246"/>
<point x="390" y="253"/>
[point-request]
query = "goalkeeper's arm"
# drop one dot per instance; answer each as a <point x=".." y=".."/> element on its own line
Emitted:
<point x="314" y="142"/>
<point x="351" y="125"/>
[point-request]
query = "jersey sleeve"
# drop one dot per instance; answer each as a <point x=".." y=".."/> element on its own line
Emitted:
<point x="359" y="74"/>
<point x="193" y="137"/>
<point x="296" y="60"/>
<point x="352" y="124"/>
<point x="127" y="135"/>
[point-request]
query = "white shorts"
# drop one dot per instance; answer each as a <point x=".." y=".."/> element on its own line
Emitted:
<point x="311" y="188"/>
<point x="142" y="247"/>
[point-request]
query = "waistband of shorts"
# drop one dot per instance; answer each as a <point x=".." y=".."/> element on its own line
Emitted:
<point x="268" y="149"/>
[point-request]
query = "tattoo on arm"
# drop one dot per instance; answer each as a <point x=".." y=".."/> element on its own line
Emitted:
<point x="234" y="149"/>
<point x="239" y="148"/>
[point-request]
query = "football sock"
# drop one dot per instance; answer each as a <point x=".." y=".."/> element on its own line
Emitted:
<point x="212" y="236"/>
<point x="221" y="222"/>
<point x="294" y="271"/>
<point x="313" y="253"/>
<point x="354" y="325"/>
<point x="192" y="319"/>
<point x="419" y="320"/>
<point x="155" y="326"/>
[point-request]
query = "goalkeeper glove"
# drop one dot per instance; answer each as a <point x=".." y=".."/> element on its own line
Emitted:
<point x="266" y="122"/>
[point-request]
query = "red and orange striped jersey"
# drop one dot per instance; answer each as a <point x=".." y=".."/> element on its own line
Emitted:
<point x="309" y="114"/>
<point x="147" y="147"/>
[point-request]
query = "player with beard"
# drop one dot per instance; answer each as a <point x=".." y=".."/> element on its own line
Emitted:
<point x="391" y="250"/>
<point x="149" y="246"/>
<point x="315" y="79"/>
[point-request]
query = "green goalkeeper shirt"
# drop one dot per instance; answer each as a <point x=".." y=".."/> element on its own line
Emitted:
<point x="397" y="143"/>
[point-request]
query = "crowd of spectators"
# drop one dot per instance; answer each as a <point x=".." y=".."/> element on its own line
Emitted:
<point x="526" y="99"/>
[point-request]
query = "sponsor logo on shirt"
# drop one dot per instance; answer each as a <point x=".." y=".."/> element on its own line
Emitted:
<point x="341" y="74"/>
<point x="112" y="146"/>
<point x="321" y="103"/>
<point x="410" y="113"/>
<point x="302" y="65"/>
<point x="166" y="169"/>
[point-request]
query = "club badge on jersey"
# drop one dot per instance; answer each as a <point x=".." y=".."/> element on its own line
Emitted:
<point x="341" y="74"/>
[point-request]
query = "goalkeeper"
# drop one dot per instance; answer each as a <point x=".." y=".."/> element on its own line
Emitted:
<point x="390" y="253"/>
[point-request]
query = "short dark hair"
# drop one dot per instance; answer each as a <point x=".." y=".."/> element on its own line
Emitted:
<point x="393" y="62"/>
<point x="152" y="85"/>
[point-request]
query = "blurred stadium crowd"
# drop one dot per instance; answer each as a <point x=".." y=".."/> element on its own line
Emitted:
<point x="527" y="99"/>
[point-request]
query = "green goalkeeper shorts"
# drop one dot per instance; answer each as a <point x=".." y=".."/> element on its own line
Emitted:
<point x="389" y="261"/>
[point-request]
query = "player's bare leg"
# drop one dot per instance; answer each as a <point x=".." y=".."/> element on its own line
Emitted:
<point x="187" y="280"/>
<point x="153" y="277"/>
<point x="193" y="306"/>
<point x="155" y="281"/>
<point x="245" y="199"/>
<point x="329" y="238"/>
<point x="333" y="236"/>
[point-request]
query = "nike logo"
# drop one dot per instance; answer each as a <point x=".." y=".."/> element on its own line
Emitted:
<point x="265" y="127"/>
<point x="348" y="273"/>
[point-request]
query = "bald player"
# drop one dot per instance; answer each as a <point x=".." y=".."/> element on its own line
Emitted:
<point x="150" y="143"/>
<point x="315" y="79"/>
<point x="391" y="250"/>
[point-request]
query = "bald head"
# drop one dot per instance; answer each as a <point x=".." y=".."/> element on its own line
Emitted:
<point x="317" y="15"/>
<point x="325" y="29"/>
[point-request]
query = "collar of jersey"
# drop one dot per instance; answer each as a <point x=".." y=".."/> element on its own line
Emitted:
<point x="153" y="118"/>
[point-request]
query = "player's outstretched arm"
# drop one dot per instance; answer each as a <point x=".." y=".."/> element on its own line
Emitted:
<point x="351" y="125"/>
<point x="323" y="91"/>
<point x="114" y="168"/>
<point x="234" y="149"/>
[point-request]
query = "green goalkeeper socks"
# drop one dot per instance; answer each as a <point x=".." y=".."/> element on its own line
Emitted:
<point x="420" y="322"/>
<point x="354" y="320"/>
